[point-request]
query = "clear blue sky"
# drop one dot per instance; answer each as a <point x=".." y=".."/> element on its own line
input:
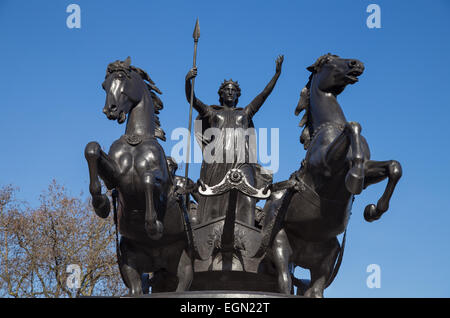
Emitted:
<point x="51" y="102"/>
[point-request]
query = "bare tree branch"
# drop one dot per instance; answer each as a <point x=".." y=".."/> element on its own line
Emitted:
<point x="38" y="244"/>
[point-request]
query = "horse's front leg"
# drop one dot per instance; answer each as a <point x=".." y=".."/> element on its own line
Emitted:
<point x="337" y="152"/>
<point x="99" y="162"/>
<point x="377" y="171"/>
<point x="152" y="181"/>
<point x="323" y="269"/>
<point x="281" y="256"/>
<point x="185" y="272"/>
<point x="129" y="268"/>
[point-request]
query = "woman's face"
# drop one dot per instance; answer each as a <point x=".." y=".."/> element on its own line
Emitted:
<point x="229" y="95"/>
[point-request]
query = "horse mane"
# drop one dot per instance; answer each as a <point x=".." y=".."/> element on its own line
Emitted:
<point x="158" y="105"/>
<point x="157" y="102"/>
<point x="303" y="105"/>
<point x="304" y="102"/>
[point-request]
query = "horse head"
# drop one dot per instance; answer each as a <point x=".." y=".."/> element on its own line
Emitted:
<point x="124" y="86"/>
<point x="332" y="73"/>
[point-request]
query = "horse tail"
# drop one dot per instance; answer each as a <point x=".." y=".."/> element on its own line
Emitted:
<point x="338" y="262"/>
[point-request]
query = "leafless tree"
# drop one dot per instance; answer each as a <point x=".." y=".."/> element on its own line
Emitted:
<point x="37" y="245"/>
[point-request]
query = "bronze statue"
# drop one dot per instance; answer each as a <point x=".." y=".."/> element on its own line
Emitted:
<point x="185" y="189"/>
<point x="316" y="208"/>
<point x="220" y="240"/>
<point x="150" y="218"/>
<point x="223" y="117"/>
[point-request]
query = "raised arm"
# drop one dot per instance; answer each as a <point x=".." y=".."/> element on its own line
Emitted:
<point x="197" y="104"/>
<point x="257" y="102"/>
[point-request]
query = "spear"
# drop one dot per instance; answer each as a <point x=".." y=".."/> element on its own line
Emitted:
<point x="196" y="36"/>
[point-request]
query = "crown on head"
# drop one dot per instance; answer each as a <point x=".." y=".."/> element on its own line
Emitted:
<point x="230" y="81"/>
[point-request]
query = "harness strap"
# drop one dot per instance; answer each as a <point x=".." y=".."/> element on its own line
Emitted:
<point x="327" y="124"/>
<point x="338" y="262"/>
<point x="179" y="193"/>
<point x="185" y="190"/>
<point x="283" y="185"/>
<point x="114" y="195"/>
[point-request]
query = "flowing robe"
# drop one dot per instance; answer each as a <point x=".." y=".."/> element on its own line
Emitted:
<point x="232" y="138"/>
<point x="231" y="143"/>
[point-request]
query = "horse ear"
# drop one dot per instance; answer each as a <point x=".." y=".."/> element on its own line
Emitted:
<point x="127" y="61"/>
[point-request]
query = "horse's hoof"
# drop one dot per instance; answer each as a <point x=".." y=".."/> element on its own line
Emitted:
<point x="382" y="206"/>
<point x="354" y="181"/>
<point x="311" y="293"/>
<point x="101" y="205"/>
<point x="155" y="231"/>
<point x="135" y="293"/>
<point x="370" y="213"/>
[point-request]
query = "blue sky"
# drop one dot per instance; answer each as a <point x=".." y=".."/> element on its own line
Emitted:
<point x="51" y="102"/>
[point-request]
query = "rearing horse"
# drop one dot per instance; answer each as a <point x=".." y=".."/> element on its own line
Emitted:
<point x="337" y="166"/>
<point x="149" y="218"/>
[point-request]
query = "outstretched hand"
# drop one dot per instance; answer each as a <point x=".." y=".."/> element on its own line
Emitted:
<point x="279" y="62"/>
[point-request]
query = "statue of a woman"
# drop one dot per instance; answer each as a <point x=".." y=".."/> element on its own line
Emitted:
<point x="231" y="139"/>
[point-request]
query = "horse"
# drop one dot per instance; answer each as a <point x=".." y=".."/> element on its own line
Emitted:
<point x="315" y="208"/>
<point x="149" y="218"/>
